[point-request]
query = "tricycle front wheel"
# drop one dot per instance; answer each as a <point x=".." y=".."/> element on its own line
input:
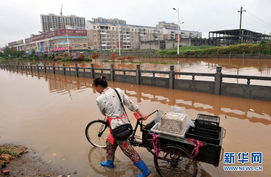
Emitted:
<point x="96" y="133"/>
<point x="175" y="161"/>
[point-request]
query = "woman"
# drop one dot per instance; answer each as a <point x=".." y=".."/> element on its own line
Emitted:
<point x="110" y="106"/>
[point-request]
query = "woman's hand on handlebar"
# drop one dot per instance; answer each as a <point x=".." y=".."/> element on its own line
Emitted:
<point x="139" y="116"/>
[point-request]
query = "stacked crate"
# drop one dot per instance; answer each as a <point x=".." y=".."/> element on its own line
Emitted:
<point x="208" y="130"/>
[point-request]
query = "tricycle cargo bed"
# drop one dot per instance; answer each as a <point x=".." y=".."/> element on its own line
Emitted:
<point x="212" y="138"/>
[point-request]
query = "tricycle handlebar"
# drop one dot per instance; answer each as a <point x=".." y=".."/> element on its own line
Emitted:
<point x="138" y="119"/>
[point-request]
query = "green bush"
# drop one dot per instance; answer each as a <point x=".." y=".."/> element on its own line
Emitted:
<point x="66" y="59"/>
<point x="2" y="59"/>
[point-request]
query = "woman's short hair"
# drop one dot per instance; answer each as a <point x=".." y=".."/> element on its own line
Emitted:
<point x="100" y="81"/>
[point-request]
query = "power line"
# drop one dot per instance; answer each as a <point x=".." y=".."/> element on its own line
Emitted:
<point x="258" y="18"/>
<point x="260" y="23"/>
<point x="254" y="23"/>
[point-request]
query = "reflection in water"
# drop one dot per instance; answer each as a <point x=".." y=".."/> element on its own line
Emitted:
<point x="246" y="121"/>
<point x="228" y="106"/>
<point x="96" y="155"/>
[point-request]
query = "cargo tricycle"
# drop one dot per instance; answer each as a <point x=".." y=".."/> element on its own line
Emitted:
<point x="172" y="155"/>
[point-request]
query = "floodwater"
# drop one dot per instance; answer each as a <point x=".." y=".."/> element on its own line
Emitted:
<point x="250" y="67"/>
<point x="255" y="67"/>
<point x="48" y="113"/>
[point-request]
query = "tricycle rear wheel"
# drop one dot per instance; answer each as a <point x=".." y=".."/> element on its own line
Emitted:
<point x="176" y="161"/>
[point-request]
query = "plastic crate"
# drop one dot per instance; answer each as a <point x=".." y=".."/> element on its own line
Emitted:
<point x="206" y="135"/>
<point x="206" y="125"/>
<point x="208" y="119"/>
<point x="210" y="154"/>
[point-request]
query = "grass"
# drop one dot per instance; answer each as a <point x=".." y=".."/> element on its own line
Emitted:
<point x="263" y="48"/>
<point x="2" y="59"/>
<point x="7" y="150"/>
<point x="69" y="59"/>
<point x="193" y="48"/>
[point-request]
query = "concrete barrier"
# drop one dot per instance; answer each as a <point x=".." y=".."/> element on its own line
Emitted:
<point x="139" y="77"/>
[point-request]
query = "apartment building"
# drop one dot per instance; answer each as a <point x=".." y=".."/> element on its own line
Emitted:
<point x="114" y="21"/>
<point x="171" y="31"/>
<point x="109" y="34"/>
<point x="53" y="22"/>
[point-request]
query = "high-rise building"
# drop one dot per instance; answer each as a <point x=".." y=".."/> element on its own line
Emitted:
<point x="53" y="22"/>
<point x="114" y="21"/>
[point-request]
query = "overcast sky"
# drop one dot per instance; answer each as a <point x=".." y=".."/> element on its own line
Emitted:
<point x="20" y="18"/>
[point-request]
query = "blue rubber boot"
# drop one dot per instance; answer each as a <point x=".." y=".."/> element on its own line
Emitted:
<point x="143" y="168"/>
<point x="108" y="164"/>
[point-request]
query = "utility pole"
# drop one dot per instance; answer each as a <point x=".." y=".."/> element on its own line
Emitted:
<point x="119" y="40"/>
<point x="240" y="27"/>
<point x="68" y="42"/>
<point x="48" y="47"/>
<point x="61" y="9"/>
<point x="179" y="30"/>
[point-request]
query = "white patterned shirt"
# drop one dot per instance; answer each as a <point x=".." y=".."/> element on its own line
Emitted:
<point x="109" y="103"/>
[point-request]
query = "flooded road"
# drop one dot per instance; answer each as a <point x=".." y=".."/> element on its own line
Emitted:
<point x="247" y="67"/>
<point x="257" y="67"/>
<point x="48" y="113"/>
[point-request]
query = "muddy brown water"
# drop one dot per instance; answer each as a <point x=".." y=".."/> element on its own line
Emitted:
<point x="252" y="67"/>
<point x="48" y="113"/>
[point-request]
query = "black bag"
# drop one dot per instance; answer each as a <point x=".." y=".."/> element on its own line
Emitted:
<point x="123" y="132"/>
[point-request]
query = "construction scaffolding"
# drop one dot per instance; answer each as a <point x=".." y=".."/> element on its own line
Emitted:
<point x="233" y="36"/>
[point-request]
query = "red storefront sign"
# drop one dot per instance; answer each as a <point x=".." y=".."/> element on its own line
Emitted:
<point x="63" y="32"/>
<point x="61" y="48"/>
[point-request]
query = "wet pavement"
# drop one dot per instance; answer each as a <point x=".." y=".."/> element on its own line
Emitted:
<point x="49" y="113"/>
